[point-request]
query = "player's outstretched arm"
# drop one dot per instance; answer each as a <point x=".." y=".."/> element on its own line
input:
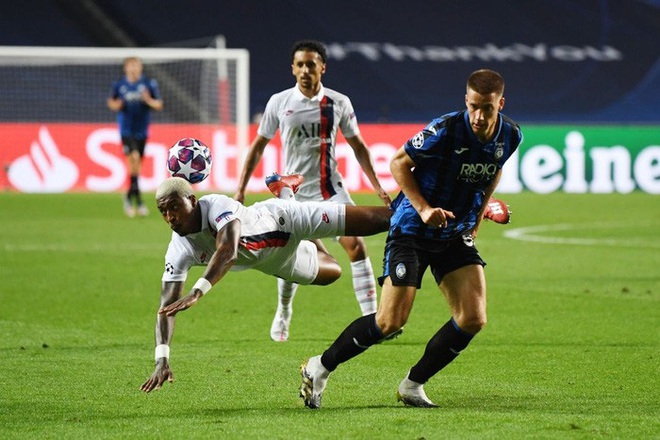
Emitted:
<point x="251" y="160"/>
<point x="162" y="374"/>
<point x="224" y="257"/>
<point x="365" y="160"/>
<point x="170" y="292"/>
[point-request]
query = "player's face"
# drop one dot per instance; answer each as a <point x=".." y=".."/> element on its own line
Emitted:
<point x="308" y="67"/>
<point x="133" y="70"/>
<point x="177" y="211"/>
<point x="483" y="111"/>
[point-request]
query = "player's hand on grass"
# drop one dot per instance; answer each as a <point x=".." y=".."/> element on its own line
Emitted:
<point x="162" y="374"/>
<point x="436" y="217"/>
<point x="181" y="304"/>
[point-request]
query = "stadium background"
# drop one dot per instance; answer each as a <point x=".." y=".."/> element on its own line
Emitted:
<point x="584" y="75"/>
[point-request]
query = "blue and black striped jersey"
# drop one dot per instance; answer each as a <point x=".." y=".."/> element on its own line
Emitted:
<point x="133" y="118"/>
<point x="452" y="169"/>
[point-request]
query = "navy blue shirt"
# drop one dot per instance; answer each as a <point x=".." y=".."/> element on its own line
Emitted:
<point x="133" y="118"/>
<point x="452" y="168"/>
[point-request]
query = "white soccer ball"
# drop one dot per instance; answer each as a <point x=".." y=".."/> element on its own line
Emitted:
<point x="190" y="159"/>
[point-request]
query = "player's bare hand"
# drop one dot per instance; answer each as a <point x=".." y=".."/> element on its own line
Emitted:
<point x="384" y="197"/>
<point x="239" y="196"/>
<point x="181" y="304"/>
<point x="436" y="217"/>
<point x="162" y="374"/>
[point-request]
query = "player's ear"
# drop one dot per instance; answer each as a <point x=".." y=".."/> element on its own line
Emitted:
<point x="501" y="103"/>
<point x="193" y="200"/>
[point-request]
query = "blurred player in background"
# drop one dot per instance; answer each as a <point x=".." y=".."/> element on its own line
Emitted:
<point x="133" y="97"/>
<point x="222" y="234"/>
<point x="447" y="173"/>
<point x="309" y="116"/>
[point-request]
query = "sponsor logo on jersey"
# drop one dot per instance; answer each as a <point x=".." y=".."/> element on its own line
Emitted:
<point x="461" y="150"/>
<point x="477" y="172"/>
<point x="325" y="218"/>
<point x="499" y="151"/>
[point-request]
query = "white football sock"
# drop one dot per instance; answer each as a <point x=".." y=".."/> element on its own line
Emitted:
<point x="286" y="193"/>
<point x="365" y="286"/>
<point x="286" y="290"/>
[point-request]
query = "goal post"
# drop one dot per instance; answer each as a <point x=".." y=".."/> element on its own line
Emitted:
<point x="205" y="91"/>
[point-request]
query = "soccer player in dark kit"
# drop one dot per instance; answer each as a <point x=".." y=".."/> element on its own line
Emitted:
<point x="447" y="173"/>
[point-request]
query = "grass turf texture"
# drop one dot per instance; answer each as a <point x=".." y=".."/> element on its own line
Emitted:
<point x="570" y="351"/>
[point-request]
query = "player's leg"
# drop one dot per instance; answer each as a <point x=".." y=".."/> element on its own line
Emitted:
<point x="136" y="169"/>
<point x="402" y="273"/>
<point x="366" y="220"/>
<point x="128" y="147"/>
<point x="396" y="303"/>
<point x="286" y="291"/>
<point x="465" y="291"/>
<point x="329" y="269"/>
<point x="364" y="283"/>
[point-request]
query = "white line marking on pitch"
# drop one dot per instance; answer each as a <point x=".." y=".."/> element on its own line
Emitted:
<point x="533" y="234"/>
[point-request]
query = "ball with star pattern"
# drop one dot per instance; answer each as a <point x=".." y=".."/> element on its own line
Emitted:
<point x="190" y="159"/>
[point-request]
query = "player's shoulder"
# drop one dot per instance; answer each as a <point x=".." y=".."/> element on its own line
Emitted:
<point x="515" y="128"/>
<point x="444" y="122"/>
<point x="283" y="94"/>
<point x="335" y="95"/>
<point x="211" y="199"/>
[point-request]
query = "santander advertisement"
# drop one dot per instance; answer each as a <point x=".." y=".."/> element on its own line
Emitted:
<point x="61" y="157"/>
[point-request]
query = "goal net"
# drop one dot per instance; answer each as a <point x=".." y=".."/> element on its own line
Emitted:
<point x="54" y="98"/>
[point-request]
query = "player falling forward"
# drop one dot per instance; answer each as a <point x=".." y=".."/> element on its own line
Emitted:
<point x="222" y="234"/>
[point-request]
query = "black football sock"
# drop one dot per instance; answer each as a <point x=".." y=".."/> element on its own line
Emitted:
<point x="443" y="348"/>
<point x="134" y="191"/>
<point x="355" y="339"/>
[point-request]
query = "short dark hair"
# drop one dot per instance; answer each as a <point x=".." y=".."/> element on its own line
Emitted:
<point x="309" y="46"/>
<point x="485" y="82"/>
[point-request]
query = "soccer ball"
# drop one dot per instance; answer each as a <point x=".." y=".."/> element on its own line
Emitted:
<point x="190" y="159"/>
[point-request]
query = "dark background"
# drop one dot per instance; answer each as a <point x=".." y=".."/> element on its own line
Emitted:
<point x="587" y="90"/>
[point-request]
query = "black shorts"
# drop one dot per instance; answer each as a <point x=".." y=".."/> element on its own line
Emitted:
<point x="132" y="144"/>
<point x="406" y="258"/>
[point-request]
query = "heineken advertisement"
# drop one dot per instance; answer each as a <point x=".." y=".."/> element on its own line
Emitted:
<point x="579" y="159"/>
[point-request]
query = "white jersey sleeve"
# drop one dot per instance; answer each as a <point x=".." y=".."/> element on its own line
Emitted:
<point x="179" y="258"/>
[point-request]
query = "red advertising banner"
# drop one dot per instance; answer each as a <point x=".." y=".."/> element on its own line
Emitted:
<point x="59" y="157"/>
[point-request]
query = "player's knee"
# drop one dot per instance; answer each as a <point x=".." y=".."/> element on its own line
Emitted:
<point x="389" y="324"/>
<point x="328" y="274"/>
<point x="472" y="323"/>
<point x="355" y="248"/>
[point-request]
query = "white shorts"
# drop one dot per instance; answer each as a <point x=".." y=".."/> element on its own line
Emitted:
<point x="342" y="196"/>
<point x="297" y="261"/>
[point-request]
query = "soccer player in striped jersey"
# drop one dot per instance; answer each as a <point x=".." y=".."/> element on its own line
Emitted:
<point x="309" y="116"/>
<point x="133" y="97"/>
<point x="222" y="234"/>
<point x="447" y="173"/>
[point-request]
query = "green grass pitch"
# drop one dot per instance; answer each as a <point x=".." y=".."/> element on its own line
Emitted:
<point x="571" y="349"/>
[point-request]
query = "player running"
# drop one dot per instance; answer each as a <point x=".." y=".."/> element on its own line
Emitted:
<point x="447" y="173"/>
